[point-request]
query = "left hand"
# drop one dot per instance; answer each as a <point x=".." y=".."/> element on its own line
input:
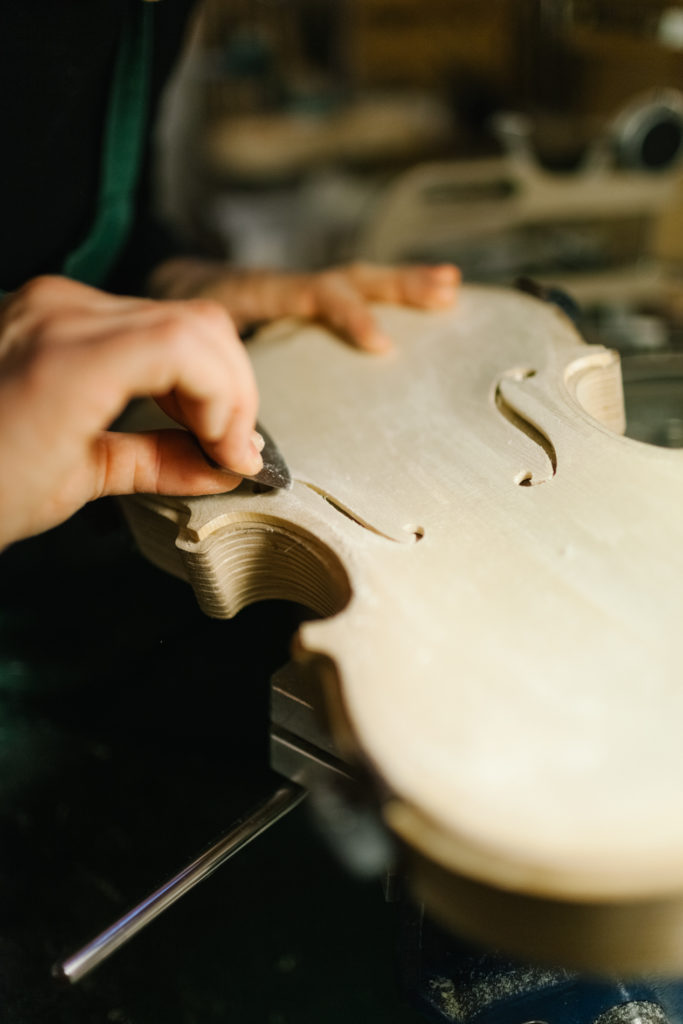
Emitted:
<point x="339" y="297"/>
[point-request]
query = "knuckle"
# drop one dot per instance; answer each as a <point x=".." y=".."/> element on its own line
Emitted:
<point x="211" y="310"/>
<point x="172" y="331"/>
<point x="46" y="289"/>
<point x="183" y="325"/>
<point x="40" y="308"/>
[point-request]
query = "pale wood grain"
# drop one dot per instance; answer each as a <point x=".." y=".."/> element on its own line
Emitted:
<point x="508" y="590"/>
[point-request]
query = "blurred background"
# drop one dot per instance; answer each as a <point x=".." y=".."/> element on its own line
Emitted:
<point x="538" y="138"/>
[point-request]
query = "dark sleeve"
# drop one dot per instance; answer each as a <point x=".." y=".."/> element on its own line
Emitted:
<point x="56" y="67"/>
<point x="151" y="240"/>
<point x="150" y="243"/>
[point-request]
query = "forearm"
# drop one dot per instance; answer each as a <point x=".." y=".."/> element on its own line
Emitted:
<point x="250" y="296"/>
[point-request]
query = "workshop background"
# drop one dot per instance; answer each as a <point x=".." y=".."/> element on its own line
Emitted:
<point x="519" y="138"/>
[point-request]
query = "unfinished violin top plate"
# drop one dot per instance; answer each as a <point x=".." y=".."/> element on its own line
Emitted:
<point x="501" y="573"/>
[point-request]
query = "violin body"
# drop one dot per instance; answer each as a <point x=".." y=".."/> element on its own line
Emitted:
<point x="498" y="573"/>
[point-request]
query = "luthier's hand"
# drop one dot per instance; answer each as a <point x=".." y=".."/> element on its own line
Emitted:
<point x="71" y="357"/>
<point x="339" y="297"/>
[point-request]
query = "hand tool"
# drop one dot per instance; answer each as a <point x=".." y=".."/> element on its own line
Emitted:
<point x="275" y="472"/>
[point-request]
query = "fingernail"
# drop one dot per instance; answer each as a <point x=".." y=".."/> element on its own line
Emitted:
<point x="258" y="441"/>
<point x="380" y="343"/>
<point x="253" y="460"/>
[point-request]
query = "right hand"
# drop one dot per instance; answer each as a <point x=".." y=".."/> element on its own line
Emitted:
<point x="72" y="357"/>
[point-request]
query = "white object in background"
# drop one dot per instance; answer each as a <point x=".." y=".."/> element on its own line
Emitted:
<point x="670" y="28"/>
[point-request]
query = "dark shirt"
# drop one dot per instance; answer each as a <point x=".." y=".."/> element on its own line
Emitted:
<point x="56" y="62"/>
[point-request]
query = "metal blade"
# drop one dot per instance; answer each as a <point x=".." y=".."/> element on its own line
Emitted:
<point x="275" y="472"/>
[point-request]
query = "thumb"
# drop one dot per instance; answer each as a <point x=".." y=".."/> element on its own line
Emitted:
<point x="156" y="462"/>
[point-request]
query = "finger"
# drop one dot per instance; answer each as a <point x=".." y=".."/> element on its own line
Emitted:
<point x="157" y="462"/>
<point x="62" y="311"/>
<point x="208" y="371"/>
<point x="237" y="435"/>
<point x="427" y="287"/>
<point x="341" y="305"/>
<point x="225" y="427"/>
<point x="169" y="404"/>
<point x="239" y="448"/>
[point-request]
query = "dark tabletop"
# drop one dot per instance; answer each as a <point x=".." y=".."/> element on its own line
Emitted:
<point x="133" y="731"/>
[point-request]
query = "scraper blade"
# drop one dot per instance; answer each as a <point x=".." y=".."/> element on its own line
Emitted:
<point x="275" y="472"/>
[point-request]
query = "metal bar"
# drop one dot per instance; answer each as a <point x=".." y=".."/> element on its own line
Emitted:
<point x="279" y="803"/>
<point x="303" y="762"/>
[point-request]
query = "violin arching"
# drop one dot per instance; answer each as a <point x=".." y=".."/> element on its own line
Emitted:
<point x="515" y="677"/>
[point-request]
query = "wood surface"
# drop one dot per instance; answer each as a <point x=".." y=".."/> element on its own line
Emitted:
<point x="502" y="575"/>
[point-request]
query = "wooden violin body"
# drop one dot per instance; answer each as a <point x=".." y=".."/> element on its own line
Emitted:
<point x="500" y="575"/>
